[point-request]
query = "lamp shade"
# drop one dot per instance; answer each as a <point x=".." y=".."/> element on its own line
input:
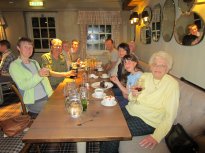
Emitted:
<point x="134" y="17"/>
<point x="145" y="14"/>
<point x="131" y="19"/>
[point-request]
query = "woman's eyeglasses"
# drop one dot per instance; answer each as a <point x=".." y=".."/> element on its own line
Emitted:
<point x="56" y="47"/>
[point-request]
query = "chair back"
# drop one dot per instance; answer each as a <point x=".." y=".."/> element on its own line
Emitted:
<point x="24" y="111"/>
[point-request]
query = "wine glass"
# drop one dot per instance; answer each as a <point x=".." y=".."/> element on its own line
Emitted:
<point x="140" y="85"/>
<point x="47" y="68"/>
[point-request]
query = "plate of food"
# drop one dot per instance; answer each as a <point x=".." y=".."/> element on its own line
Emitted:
<point x="108" y="101"/>
<point x="102" y="84"/>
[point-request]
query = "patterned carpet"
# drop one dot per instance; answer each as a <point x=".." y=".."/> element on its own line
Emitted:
<point x="14" y="144"/>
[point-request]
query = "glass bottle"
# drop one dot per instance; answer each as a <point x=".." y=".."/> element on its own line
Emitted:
<point x="84" y="97"/>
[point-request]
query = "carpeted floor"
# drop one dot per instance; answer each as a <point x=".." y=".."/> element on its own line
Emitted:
<point x="14" y="144"/>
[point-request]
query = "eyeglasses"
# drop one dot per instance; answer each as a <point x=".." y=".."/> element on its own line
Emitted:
<point x="57" y="47"/>
<point x="159" y="66"/>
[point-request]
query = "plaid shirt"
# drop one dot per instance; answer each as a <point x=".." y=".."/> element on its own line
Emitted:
<point x="7" y="58"/>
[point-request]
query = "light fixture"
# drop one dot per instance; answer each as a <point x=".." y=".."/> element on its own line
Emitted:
<point x="134" y="18"/>
<point x="35" y="3"/>
<point x="145" y="16"/>
<point x="131" y="19"/>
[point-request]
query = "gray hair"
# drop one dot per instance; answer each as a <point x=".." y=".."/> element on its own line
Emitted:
<point x="164" y="55"/>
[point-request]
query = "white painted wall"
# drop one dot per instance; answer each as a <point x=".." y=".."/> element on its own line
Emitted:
<point x="189" y="62"/>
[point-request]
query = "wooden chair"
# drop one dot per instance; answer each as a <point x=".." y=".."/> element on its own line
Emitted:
<point x="24" y="111"/>
<point x="10" y="143"/>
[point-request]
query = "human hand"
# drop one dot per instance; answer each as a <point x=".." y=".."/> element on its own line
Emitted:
<point x="44" y="72"/>
<point x="73" y="72"/>
<point x="134" y="91"/>
<point x="114" y="79"/>
<point x="148" y="142"/>
<point x="78" y="61"/>
<point x="70" y="73"/>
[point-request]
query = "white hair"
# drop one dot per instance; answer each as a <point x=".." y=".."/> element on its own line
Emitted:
<point x="164" y="55"/>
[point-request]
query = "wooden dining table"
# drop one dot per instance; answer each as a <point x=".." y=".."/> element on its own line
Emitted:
<point x="97" y="123"/>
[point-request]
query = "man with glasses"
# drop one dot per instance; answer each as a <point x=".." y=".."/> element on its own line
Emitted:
<point x="56" y="63"/>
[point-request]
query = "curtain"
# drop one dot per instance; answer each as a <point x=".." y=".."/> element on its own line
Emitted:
<point x="2" y="33"/>
<point x="86" y="18"/>
<point x="2" y="30"/>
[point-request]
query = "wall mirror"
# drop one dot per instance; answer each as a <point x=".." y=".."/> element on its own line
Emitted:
<point x="189" y="29"/>
<point x="145" y="35"/>
<point x="156" y="22"/>
<point x="168" y="20"/>
<point x="185" y="5"/>
<point x="147" y="15"/>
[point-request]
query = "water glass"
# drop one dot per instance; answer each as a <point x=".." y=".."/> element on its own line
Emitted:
<point x="74" y="107"/>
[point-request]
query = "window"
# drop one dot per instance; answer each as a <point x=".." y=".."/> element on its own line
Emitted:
<point x="41" y="28"/>
<point x="96" y="36"/>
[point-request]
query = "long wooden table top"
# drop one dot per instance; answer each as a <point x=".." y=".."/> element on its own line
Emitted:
<point x="54" y="124"/>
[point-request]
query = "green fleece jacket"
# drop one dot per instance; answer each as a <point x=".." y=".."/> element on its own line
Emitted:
<point x="26" y="81"/>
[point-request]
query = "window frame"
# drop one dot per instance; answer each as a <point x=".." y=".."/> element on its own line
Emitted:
<point x="99" y="35"/>
<point x="29" y="16"/>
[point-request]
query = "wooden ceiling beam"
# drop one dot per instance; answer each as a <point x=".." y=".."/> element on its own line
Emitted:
<point x="125" y="5"/>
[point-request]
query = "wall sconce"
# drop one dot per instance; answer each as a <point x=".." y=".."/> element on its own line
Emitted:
<point x="145" y="16"/>
<point x="134" y="18"/>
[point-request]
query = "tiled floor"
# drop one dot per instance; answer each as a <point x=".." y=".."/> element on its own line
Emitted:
<point x="14" y="144"/>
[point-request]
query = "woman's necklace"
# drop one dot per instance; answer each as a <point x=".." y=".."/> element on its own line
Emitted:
<point x="156" y="83"/>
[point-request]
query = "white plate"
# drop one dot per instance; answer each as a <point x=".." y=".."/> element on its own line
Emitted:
<point x="109" y="105"/>
<point x="97" y="85"/>
<point x="94" y="96"/>
<point x="93" y="76"/>
<point x="100" y="70"/>
<point x="105" y="77"/>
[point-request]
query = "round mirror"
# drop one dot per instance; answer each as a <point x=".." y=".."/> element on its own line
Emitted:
<point x="156" y="23"/>
<point x="189" y="29"/>
<point x="185" y="5"/>
<point x="168" y="20"/>
<point x="145" y="35"/>
<point x="147" y="15"/>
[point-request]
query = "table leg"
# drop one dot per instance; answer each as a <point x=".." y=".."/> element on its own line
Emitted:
<point x="81" y="147"/>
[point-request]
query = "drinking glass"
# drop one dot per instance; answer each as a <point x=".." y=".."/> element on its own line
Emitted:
<point x="140" y="85"/>
<point x="74" y="107"/>
<point x="47" y="67"/>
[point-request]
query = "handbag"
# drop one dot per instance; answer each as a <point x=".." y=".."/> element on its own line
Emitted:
<point x="178" y="141"/>
<point x="13" y="126"/>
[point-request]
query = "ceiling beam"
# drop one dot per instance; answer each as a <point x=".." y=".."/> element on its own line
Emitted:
<point x="125" y="5"/>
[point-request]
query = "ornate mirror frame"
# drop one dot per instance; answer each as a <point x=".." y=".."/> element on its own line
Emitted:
<point x="185" y="5"/>
<point x="145" y="35"/>
<point x="168" y="20"/>
<point x="156" y="23"/>
<point x="185" y="31"/>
